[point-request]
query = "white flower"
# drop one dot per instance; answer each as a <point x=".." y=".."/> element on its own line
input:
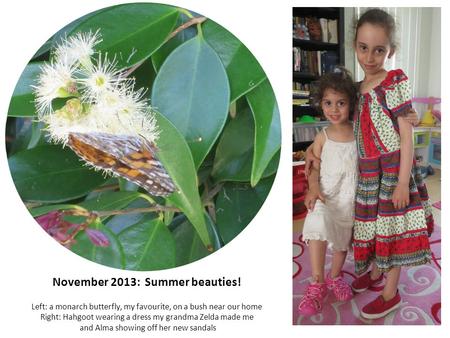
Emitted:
<point x="78" y="48"/>
<point x="101" y="78"/>
<point x="101" y="98"/>
<point x="56" y="80"/>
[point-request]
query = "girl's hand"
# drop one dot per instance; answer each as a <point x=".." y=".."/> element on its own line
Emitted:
<point x="311" y="161"/>
<point x="311" y="197"/>
<point x="400" y="197"/>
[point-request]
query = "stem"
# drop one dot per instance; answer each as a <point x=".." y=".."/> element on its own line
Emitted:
<point x="213" y="192"/>
<point x="148" y="198"/>
<point x="130" y="70"/>
<point x="135" y="211"/>
<point x="193" y="21"/>
<point x="233" y="110"/>
<point x="185" y="12"/>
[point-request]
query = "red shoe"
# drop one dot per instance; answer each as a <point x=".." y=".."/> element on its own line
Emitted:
<point x="364" y="282"/>
<point x="379" y="308"/>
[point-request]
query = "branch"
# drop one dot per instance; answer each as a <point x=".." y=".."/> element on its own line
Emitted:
<point x="213" y="192"/>
<point x="135" y="211"/>
<point x="193" y="21"/>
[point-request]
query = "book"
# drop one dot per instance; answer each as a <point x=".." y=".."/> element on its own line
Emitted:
<point x="298" y="93"/>
<point x="333" y="31"/>
<point x="324" y="25"/>
<point x="329" y="60"/>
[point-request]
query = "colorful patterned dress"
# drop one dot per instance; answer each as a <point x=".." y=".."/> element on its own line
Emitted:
<point x="382" y="233"/>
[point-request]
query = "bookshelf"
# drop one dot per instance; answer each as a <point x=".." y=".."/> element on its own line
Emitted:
<point x="318" y="46"/>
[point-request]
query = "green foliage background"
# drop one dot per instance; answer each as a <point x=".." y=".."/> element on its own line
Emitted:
<point x="220" y="140"/>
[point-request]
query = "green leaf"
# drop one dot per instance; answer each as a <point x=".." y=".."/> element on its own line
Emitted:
<point x="111" y="255"/>
<point x="111" y="200"/>
<point x="125" y="185"/>
<point x="234" y="152"/>
<point x="37" y="136"/>
<point x="18" y="134"/>
<point x="131" y="32"/>
<point x="267" y="128"/>
<point x="191" y="90"/>
<point x="148" y="246"/>
<point x="62" y="33"/>
<point x="22" y="101"/>
<point x="177" y="159"/>
<point x="189" y="246"/>
<point x="39" y="211"/>
<point x="145" y="75"/>
<point x="164" y="51"/>
<point x="119" y="223"/>
<point x="51" y="174"/>
<point x="237" y="204"/>
<point x="244" y="71"/>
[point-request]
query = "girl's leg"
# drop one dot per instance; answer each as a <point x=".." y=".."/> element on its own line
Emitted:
<point x="335" y="280"/>
<point x="317" y="250"/>
<point x="389" y="300"/>
<point x="375" y="273"/>
<point x="312" y="301"/>
<point x="337" y="262"/>
<point x="390" y="288"/>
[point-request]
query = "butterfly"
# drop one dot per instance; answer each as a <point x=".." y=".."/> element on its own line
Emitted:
<point x="131" y="157"/>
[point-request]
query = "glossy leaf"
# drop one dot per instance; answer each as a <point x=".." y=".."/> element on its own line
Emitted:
<point x="148" y="246"/>
<point x="234" y="152"/>
<point x="189" y="246"/>
<point x="22" y="101"/>
<point x="177" y="159"/>
<point x="62" y="33"/>
<point x="267" y="128"/>
<point x="52" y="174"/>
<point x="145" y="76"/>
<point x="119" y="223"/>
<point x="18" y="134"/>
<point x="39" y="211"/>
<point x="159" y="56"/>
<point x="111" y="255"/>
<point x="131" y="32"/>
<point x="237" y="204"/>
<point x="111" y="200"/>
<point x="191" y="90"/>
<point x="244" y="71"/>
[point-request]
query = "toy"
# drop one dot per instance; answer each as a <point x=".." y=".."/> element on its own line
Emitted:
<point x="431" y="117"/>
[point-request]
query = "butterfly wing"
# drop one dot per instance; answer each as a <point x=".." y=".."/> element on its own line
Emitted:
<point x="131" y="157"/>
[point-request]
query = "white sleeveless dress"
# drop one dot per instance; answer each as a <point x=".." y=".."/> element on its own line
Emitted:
<point x="332" y="221"/>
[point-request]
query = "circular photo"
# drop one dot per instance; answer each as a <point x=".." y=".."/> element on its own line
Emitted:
<point x="143" y="136"/>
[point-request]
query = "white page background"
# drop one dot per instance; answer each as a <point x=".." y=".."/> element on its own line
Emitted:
<point x="261" y="255"/>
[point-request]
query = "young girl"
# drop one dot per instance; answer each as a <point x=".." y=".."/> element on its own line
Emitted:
<point x="392" y="213"/>
<point x="331" y="204"/>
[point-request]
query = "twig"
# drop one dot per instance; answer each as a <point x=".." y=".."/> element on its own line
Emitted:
<point x="193" y="21"/>
<point x="130" y="70"/>
<point x="213" y="193"/>
<point x="135" y="211"/>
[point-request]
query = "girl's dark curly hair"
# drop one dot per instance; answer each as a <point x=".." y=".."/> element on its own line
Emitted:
<point x="341" y="81"/>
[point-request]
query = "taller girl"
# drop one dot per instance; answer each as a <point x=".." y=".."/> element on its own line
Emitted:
<point x="392" y="214"/>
